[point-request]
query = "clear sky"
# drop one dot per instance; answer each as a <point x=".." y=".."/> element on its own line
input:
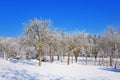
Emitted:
<point x="91" y="16"/>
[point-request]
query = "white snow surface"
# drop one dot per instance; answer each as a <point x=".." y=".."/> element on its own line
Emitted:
<point x="29" y="70"/>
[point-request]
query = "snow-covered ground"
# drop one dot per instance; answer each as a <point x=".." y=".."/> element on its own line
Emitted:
<point x="29" y="70"/>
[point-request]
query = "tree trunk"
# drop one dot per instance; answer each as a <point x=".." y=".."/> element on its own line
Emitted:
<point x="95" y="61"/>
<point x="61" y="58"/>
<point x="103" y="63"/>
<point x="115" y="65"/>
<point x="86" y="59"/>
<point x="96" y="54"/>
<point x="51" y="56"/>
<point x="68" y="58"/>
<point x="72" y="59"/>
<point x="76" y="58"/>
<point x="58" y="57"/>
<point x="99" y="60"/>
<point x="40" y="56"/>
<point x="5" y="55"/>
<point x="111" y="59"/>
<point x="86" y="56"/>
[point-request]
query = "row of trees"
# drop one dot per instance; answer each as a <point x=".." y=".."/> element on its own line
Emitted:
<point x="40" y="40"/>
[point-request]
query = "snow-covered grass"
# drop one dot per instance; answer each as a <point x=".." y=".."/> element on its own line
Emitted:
<point x="29" y="70"/>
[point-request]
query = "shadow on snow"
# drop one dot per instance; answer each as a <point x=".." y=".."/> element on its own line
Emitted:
<point x="110" y="69"/>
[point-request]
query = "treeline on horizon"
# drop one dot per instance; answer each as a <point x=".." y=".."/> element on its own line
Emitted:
<point x="39" y="40"/>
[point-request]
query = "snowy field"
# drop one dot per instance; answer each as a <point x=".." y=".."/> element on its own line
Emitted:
<point x="29" y="70"/>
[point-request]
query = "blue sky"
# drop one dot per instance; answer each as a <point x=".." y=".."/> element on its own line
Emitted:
<point x="91" y="16"/>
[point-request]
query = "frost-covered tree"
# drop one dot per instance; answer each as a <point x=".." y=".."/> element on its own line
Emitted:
<point x="51" y="44"/>
<point x="88" y="41"/>
<point x="113" y="38"/>
<point x="8" y="46"/>
<point x="75" y="43"/>
<point x="95" y="48"/>
<point x="78" y="44"/>
<point x="37" y="31"/>
<point x="62" y="44"/>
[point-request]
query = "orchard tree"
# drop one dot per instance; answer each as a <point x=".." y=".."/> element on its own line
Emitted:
<point x="95" y="48"/>
<point x="113" y="38"/>
<point x="38" y="31"/>
<point x="78" y="44"/>
<point x="88" y="41"/>
<point x="51" y="44"/>
<point x="22" y="44"/>
<point x="63" y="44"/>
<point x="8" y="46"/>
<point x="75" y="45"/>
